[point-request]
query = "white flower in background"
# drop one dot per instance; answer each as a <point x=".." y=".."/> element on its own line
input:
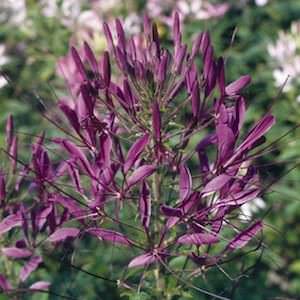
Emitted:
<point x="132" y="24"/>
<point x="3" y="60"/>
<point x="285" y="58"/>
<point x="261" y="2"/>
<point x="49" y="8"/>
<point x="201" y="9"/>
<point x="13" y="12"/>
<point x="250" y="208"/>
<point x="106" y="6"/>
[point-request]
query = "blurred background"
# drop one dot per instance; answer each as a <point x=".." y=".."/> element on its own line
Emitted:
<point x="260" y="38"/>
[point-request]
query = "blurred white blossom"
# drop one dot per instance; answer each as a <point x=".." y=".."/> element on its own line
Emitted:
<point x="3" y="60"/>
<point x="251" y="207"/>
<point x="201" y="9"/>
<point x="261" y="2"/>
<point x="13" y="12"/>
<point x="286" y="58"/>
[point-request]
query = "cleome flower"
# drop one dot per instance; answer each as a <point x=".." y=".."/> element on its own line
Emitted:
<point x="125" y="148"/>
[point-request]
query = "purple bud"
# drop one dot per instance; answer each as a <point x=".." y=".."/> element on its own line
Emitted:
<point x="2" y="188"/>
<point x="106" y="71"/>
<point x="79" y="64"/>
<point x="156" y="121"/>
<point x="90" y="57"/>
<point x="121" y="36"/>
<point x="195" y="99"/>
<point x="9" y="131"/>
<point x="109" y="38"/>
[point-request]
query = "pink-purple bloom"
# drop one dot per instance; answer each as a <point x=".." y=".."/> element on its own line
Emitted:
<point x="121" y="151"/>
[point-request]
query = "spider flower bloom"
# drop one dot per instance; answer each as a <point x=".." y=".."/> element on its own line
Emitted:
<point x="127" y="151"/>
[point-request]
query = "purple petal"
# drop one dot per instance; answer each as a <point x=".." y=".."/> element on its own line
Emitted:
<point x="185" y="182"/>
<point x="42" y="216"/>
<point x="4" y="284"/>
<point x="238" y="199"/>
<point x="90" y="57"/>
<point x="145" y="206"/>
<point x="29" y="267"/>
<point x="71" y="115"/>
<point x="40" y="285"/>
<point x="78" y="63"/>
<point x="16" y="253"/>
<point x="63" y="233"/>
<point x="78" y="154"/>
<point x="134" y="152"/>
<point x="140" y="174"/>
<point x="170" y="211"/>
<point x="10" y="222"/>
<point x="236" y="86"/>
<point x="245" y="236"/>
<point x="110" y="235"/>
<point x="257" y="132"/>
<point x="142" y="260"/>
<point x="216" y="183"/>
<point x="226" y="141"/>
<point x="198" y="239"/>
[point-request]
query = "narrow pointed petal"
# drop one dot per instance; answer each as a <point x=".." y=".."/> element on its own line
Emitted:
<point x="4" y="284"/>
<point x="90" y="57"/>
<point x="198" y="239"/>
<point x="236" y="86"/>
<point x="40" y="285"/>
<point x="216" y="183"/>
<point x="110" y="235"/>
<point x="63" y="233"/>
<point x="135" y="151"/>
<point x="30" y="267"/>
<point x="10" y="222"/>
<point x="242" y="239"/>
<point x="79" y="64"/>
<point x="185" y="181"/>
<point x="16" y="253"/>
<point x="142" y="260"/>
<point x="140" y="174"/>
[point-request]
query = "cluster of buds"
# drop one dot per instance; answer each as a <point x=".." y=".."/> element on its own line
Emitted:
<point x="127" y="148"/>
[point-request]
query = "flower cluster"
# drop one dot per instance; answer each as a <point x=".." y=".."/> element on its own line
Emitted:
<point x="127" y="148"/>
